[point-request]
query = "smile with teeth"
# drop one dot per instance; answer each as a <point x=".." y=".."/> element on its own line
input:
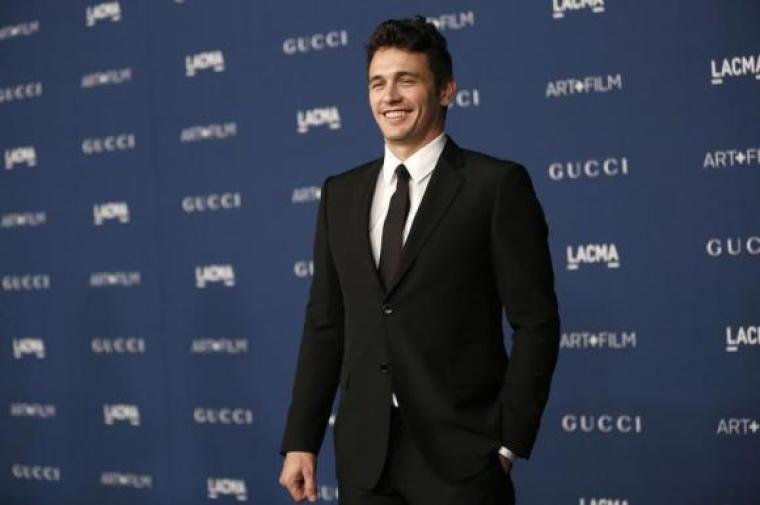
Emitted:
<point x="395" y="114"/>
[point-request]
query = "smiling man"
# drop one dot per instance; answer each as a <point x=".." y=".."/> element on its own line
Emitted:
<point x="416" y="257"/>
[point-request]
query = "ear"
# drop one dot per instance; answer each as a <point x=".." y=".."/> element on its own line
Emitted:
<point x="448" y="92"/>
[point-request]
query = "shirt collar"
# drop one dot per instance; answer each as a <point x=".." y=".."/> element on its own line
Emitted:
<point x="419" y="164"/>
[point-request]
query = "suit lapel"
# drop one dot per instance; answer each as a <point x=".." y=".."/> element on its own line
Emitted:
<point x="362" y="211"/>
<point x="444" y="184"/>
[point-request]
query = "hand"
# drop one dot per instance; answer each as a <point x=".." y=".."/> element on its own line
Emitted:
<point x="298" y="475"/>
<point x="506" y="465"/>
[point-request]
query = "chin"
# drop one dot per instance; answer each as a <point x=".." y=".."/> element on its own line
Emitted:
<point x="395" y="136"/>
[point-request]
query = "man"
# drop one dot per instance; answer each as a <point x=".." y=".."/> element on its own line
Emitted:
<point x="415" y="256"/>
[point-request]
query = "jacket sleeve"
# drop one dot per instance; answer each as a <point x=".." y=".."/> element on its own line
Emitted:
<point x="321" y="349"/>
<point x="523" y="270"/>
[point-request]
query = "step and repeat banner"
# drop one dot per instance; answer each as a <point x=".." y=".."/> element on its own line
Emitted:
<point x="160" y="174"/>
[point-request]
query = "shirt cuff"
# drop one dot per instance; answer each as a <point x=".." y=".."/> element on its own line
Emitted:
<point x="394" y="400"/>
<point x="507" y="454"/>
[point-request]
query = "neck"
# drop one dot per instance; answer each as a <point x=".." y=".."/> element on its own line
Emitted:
<point x="403" y="150"/>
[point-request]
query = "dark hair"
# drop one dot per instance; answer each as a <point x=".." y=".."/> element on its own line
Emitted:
<point x="416" y="35"/>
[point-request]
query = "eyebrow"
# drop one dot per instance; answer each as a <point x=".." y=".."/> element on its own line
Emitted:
<point x="399" y="74"/>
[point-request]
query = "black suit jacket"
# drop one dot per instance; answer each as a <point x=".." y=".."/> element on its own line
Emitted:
<point x="477" y="243"/>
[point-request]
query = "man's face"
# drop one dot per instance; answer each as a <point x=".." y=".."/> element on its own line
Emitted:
<point x="403" y="98"/>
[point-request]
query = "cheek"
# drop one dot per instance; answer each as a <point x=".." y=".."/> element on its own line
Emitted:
<point x="418" y="102"/>
<point x="374" y="99"/>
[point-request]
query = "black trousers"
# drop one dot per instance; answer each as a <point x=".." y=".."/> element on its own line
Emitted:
<point x="407" y="479"/>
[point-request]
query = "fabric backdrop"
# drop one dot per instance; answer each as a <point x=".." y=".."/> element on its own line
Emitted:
<point x="158" y="191"/>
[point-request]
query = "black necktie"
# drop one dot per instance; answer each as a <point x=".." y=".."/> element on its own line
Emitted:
<point x="393" y="228"/>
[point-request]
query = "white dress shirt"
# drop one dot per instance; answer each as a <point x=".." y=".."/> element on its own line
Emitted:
<point x="420" y="166"/>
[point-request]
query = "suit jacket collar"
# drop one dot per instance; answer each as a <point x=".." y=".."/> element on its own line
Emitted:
<point x="442" y="188"/>
<point x="419" y="164"/>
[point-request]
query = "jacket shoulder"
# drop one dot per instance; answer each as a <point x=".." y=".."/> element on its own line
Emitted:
<point x="486" y="162"/>
<point x="354" y="174"/>
<point x="493" y="169"/>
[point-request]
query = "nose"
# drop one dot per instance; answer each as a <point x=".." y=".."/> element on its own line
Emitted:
<point x="391" y="94"/>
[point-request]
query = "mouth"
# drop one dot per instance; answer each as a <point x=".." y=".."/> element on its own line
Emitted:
<point x="396" y="114"/>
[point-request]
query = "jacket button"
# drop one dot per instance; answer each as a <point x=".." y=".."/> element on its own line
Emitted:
<point x="383" y="367"/>
<point x="387" y="309"/>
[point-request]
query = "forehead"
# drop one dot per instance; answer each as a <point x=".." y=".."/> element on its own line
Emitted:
<point x="388" y="61"/>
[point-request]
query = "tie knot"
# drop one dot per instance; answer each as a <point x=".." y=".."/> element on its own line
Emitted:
<point x="402" y="172"/>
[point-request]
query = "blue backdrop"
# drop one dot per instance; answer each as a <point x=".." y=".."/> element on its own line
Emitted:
<point x="159" y="183"/>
